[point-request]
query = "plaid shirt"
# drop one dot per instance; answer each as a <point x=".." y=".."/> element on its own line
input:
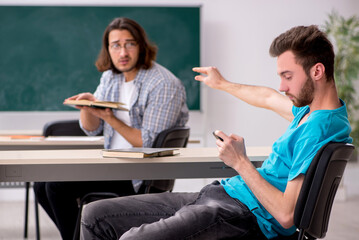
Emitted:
<point x="159" y="102"/>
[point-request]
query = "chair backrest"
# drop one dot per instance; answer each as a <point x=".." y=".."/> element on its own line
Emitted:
<point x="173" y="137"/>
<point x="63" y="128"/>
<point x="312" y="212"/>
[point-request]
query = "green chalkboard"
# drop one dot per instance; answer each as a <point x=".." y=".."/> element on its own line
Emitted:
<point x="48" y="53"/>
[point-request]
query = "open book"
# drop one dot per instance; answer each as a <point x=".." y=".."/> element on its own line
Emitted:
<point x="139" y="152"/>
<point x="96" y="104"/>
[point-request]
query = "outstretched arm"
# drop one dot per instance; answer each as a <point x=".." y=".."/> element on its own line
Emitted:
<point x="258" y="96"/>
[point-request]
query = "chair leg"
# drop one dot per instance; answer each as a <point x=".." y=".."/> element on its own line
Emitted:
<point x="37" y="222"/>
<point x="27" y="186"/>
<point x="78" y="224"/>
<point x="301" y="234"/>
<point x="147" y="186"/>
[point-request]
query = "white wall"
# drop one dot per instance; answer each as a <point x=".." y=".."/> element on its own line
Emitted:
<point x="235" y="37"/>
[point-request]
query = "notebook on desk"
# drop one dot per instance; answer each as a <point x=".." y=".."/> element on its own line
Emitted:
<point x="139" y="152"/>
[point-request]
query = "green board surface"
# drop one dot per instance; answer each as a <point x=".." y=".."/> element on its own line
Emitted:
<point x="48" y="53"/>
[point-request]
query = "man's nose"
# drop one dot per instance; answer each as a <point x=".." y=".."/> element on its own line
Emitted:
<point x="123" y="51"/>
<point x="283" y="87"/>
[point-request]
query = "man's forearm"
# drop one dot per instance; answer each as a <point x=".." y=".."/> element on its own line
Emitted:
<point x="132" y="135"/>
<point x="89" y="121"/>
<point x="259" y="96"/>
<point x="279" y="204"/>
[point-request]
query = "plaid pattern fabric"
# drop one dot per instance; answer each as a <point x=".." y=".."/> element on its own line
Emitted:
<point x="159" y="102"/>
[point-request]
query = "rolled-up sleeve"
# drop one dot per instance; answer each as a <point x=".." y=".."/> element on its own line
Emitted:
<point x="99" y="94"/>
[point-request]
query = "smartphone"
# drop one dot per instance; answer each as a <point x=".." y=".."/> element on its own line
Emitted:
<point x="217" y="137"/>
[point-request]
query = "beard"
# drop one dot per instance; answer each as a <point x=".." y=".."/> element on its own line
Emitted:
<point x="306" y="95"/>
<point x="128" y="69"/>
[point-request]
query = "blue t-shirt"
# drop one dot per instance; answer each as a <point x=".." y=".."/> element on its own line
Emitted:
<point x="291" y="155"/>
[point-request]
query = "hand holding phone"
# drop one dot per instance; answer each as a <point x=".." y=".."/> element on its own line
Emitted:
<point x="217" y="137"/>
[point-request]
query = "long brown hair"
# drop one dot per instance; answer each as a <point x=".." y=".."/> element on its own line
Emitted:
<point x="147" y="53"/>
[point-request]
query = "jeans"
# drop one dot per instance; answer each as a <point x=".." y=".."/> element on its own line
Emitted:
<point x="59" y="199"/>
<point x="210" y="214"/>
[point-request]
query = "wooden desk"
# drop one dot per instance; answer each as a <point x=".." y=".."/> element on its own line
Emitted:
<point x="87" y="165"/>
<point x="9" y="145"/>
<point x="52" y="143"/>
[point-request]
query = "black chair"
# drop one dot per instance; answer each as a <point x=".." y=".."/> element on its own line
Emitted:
<point x="63" y="128"/>
<point x="53" y="128"/>
<point x="312" y="212"/>
<point x="173" y="137"/>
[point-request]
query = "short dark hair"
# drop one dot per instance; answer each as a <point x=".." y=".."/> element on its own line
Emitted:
<point x="147" y="53"/>
<point x="309" y="45"/>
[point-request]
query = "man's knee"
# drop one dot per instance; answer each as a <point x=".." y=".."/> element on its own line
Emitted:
<point x="91" y="211"/>
<point x="97" y="211"/>
<point x="98" y="221"/>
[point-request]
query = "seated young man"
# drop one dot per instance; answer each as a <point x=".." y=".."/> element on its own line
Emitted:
<point x="156" y="100"/>
<point x="257" y="203"/>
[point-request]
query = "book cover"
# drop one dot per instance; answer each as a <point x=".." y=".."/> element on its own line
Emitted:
<point x="96" y="104"/>
<point x="140" y="152"/>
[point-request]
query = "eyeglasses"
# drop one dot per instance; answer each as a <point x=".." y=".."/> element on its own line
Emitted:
<point x="129" y="46"/>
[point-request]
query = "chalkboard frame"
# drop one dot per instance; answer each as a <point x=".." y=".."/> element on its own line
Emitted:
<point x="33" y="77"/>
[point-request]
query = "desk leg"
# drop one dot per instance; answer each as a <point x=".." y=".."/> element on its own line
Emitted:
<point x="37" y="219"/>
<point x="27" y="186"/>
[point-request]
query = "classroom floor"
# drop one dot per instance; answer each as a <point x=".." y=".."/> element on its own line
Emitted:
<point x="344" y="220"/>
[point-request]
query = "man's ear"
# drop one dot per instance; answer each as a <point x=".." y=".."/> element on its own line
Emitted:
<point x="317" y="72"/>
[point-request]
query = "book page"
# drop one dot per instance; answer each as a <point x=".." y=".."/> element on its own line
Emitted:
<point x="75" y="138"/>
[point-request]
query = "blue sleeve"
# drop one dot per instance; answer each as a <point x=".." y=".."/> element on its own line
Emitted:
<point x="303" y="154"/>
